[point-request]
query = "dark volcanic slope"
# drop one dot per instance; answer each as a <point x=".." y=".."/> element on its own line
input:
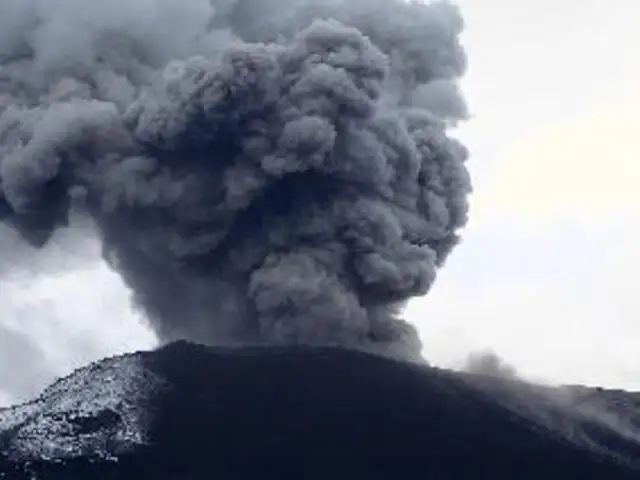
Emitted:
<point x="191" y="412"/>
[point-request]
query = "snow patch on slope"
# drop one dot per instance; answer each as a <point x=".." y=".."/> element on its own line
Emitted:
<point x="98" y="411"/>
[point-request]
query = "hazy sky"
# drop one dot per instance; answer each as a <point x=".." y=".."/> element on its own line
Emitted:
<point x="545" y="275"/>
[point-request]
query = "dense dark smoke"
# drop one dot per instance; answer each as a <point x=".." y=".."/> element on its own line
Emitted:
<point x="258" y="171"/>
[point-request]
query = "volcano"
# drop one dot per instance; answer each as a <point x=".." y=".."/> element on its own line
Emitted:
<point x="186" y="411"/>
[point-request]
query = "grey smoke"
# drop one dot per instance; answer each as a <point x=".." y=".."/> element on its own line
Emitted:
<point x="570" y="410"/>
<point x="257" y="171"/>
<point x="67" y="249"/>
<point x="487" y="362"/>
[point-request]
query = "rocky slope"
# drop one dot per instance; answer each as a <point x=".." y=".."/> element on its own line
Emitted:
<point x="193" y="412"/>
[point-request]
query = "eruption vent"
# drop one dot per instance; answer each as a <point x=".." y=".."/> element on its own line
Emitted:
<point x="257" y="171"/>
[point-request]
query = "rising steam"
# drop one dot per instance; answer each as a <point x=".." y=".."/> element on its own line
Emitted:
<point x="257" y="171"/>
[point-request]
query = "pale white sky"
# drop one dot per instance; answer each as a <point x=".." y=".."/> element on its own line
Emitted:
<point x="545" y="275"/>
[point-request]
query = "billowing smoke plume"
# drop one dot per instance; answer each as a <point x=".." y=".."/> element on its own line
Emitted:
<point x="271" y="171"/>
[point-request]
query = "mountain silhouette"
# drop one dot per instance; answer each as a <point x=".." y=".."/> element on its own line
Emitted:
<point x="187" y="411"/>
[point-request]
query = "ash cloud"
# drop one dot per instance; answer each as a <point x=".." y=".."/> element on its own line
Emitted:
<point x="256" y="171"/>
<point x="487" y="362"/>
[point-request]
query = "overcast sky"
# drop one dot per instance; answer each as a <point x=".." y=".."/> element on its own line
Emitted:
<point x="547" y="272"/>
<point x="545" y="276"/>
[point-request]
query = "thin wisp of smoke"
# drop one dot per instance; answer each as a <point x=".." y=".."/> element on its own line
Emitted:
<point x="257" y="171"/>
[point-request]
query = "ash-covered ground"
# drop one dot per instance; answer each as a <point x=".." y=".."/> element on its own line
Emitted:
<point x="313" y="412"/>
